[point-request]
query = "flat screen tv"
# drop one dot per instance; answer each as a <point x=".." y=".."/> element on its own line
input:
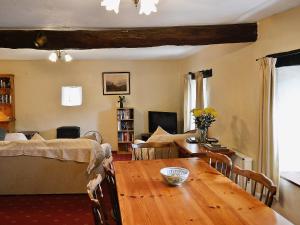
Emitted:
<point x="166" y="120"/>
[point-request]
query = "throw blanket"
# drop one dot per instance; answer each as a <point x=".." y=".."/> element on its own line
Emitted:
<point x="79" y="150"/>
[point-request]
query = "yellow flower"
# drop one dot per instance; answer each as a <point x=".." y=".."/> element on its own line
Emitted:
<point x="210" y="111"/>
<point x="197" y="112"/>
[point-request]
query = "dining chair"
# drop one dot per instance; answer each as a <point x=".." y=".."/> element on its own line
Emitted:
<point x="267" y="190"/>
<point x="220" y="162"/>
<point x="95" y="194"/>
<point x="110" y="177"/>
<point x="152" y="150"/>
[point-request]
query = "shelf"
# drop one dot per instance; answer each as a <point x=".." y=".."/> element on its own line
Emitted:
<point x="7" y="103"/>
<point x="125" y="128"/>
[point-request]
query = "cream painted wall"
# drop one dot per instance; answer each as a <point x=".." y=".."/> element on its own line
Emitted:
<point x="155" y="85"/>
<point x="235" y="86"/>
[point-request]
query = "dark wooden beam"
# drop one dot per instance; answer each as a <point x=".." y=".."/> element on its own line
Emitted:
<point x="129" y="38"/>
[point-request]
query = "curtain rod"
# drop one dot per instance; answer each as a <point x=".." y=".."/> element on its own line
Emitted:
<point x="206" y="73"/>
<point x="281" y="54"/>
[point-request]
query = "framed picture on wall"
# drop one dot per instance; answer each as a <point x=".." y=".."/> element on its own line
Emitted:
<point x="116" y="83"/>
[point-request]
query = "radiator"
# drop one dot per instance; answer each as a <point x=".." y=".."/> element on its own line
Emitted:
<point x="242" y="161"/>
<point x="245" y="163"/>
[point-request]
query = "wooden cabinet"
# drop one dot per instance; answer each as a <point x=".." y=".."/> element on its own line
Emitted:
<point x="7" y="102"/>
<point x="125" y="119"/>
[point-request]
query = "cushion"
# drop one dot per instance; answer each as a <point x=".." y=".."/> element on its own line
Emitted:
<point x="160" y="131"/>
<point x="169" y="137"/>
<point x="91" y="137"/>
<point x="37" y="136"/>
<point x="15" y="137"/>
<point x="166" y="137"/>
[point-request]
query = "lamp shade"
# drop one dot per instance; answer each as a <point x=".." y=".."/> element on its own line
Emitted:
<point x="71" y="96"/>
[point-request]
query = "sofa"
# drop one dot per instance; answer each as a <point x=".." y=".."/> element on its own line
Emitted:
<point x="57" y="166"/>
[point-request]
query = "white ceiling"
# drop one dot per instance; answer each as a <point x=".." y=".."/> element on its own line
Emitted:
<point x="88" y="14"/>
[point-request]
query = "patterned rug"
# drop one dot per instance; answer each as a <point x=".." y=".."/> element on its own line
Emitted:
<point x="52" y="209"/>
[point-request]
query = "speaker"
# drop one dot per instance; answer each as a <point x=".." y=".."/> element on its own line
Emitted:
<point x="68" y="132"/>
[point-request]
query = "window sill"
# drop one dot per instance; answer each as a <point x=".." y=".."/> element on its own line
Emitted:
<point x="292" y="177"/>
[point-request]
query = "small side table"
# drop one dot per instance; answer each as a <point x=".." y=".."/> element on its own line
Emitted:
<point x="29" y="134"/>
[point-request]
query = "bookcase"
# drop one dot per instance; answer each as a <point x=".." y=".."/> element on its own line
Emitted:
<point x="7" y="102"/>
<point x="125" y="120"/>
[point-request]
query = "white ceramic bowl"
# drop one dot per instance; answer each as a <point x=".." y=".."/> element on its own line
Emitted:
<point x="174" y="175"/>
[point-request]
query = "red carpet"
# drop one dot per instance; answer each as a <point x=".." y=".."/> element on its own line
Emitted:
<point x="45" y="209"/>
<point x="52" y="209"/>
<point x="121" y="157"/>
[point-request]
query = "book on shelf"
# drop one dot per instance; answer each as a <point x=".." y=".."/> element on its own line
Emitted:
<point x="125" y="137"/>
<point x="5" y="99"/>
<point x="125" y="125"/>
<point x="124" y="114"/>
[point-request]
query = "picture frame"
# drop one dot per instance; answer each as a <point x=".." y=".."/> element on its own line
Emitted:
<point x="116" y="83"/>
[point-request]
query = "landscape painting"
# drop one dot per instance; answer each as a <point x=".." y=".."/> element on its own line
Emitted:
<point x="116" y="83"/>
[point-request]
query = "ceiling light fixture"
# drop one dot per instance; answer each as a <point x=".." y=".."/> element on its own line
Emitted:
<point x="60" y="55"/>
<point x="146" y="6"/>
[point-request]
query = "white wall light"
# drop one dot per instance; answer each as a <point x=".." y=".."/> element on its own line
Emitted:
<point x="146" y="6"/>
<point x="71" y="96"/>
<point x="53" y="57"/>
<point x="61" y="56"/>
<point x="111" y="5"/>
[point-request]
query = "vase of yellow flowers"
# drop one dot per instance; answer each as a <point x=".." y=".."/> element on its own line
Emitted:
<point x="203" y="120"/>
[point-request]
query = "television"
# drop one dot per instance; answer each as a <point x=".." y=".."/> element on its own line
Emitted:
<point x="166" y="120"/>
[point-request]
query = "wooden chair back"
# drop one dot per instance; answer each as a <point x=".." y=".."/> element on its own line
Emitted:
<point x="95" y="194"/>
<point x="110" y="177"/>
<point x="220" y="162"/>
<point x="109" y="170"/>
<point x="153" y="150"/>
<point x="267" y="189"/>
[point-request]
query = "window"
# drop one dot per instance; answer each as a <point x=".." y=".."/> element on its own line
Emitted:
<point x="287" y="118"/>
<point x="193" y="92"/>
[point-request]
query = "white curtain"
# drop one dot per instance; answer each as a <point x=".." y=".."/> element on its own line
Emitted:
<point x="188" y="102"/>
<point x="199" y="90"/>
<point x="193" y="98"/>
<point x="268" y="162"/>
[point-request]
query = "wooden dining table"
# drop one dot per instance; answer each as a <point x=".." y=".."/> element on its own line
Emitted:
<point x="207" y="197"/>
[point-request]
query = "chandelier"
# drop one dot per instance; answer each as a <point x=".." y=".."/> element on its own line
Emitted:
<point x="146" y="6"/>
<point x="60" y="55"/>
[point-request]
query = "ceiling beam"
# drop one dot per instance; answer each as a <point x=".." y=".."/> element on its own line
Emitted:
<point x="129" y="37"/>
